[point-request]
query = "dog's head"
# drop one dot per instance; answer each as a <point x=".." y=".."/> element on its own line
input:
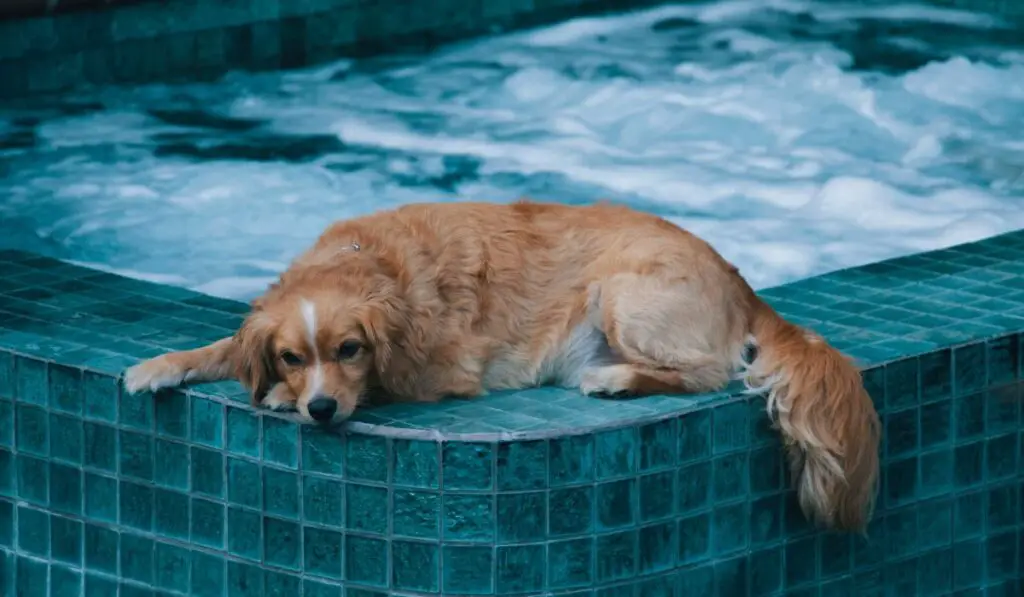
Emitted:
<point x="317" y="344"/>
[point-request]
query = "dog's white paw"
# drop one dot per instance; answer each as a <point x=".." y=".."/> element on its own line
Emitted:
<point x="154" y="374"/>
<point x="613" y="379"/>
<point x="279" y="399"/>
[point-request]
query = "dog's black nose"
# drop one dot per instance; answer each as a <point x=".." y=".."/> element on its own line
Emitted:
<point x="322" y="409"/>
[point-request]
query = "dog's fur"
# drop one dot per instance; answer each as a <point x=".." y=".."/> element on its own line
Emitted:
<point x="456" y="299"/>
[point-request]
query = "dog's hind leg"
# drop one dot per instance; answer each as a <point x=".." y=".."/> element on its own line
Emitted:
<point x="213" y="362"/>
<point x="673" y="336"/>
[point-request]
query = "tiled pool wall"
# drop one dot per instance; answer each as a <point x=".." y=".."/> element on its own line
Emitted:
<point x="49" y="46"/>
<point x="534" y="493"/>
<point x="146" y="40"/>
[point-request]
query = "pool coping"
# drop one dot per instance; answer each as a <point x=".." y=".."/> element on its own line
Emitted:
<point x="377" y="421"/>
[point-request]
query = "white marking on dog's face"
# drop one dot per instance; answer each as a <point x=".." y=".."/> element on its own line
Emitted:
<point x="316" y="383"/>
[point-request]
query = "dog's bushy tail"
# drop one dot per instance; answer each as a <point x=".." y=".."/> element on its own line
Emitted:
<point x="829" y="425"/>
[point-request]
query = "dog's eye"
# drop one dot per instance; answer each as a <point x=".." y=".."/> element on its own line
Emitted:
<point x="348" y="349"/>
<point x="291" y="359"/>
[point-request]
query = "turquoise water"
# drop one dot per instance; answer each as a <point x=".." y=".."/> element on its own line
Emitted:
<point x="798" y="137"/>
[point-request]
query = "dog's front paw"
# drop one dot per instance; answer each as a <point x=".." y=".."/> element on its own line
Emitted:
<point x="611" y="380"/>
<point x="154" y="374"/>
<point x="279" y="399"/>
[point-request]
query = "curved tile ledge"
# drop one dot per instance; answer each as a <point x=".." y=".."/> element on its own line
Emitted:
<point x="539" y="492"/>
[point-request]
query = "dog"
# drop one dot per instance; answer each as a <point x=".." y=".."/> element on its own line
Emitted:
<point x="455" y="299"/>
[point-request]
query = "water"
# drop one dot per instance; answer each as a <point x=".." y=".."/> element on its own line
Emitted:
<point x="797" y="137"/>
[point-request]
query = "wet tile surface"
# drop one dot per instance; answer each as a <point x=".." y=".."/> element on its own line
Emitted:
<point x="539" y="492"/>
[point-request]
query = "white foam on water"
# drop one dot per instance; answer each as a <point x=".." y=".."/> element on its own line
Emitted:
<point x="785" y="147"/>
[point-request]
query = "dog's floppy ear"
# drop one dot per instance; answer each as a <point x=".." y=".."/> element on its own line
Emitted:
<point x="255" y="365"/>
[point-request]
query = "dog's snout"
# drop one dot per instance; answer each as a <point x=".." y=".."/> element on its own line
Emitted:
<point x="322" y="409"/>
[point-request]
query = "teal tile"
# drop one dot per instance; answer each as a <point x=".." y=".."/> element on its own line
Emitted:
<point x="522" y="465"/>
<point x="65" y="582"/>
<point x="969" y="416"/>
<point x="936" y="375"/>
<point x="467" y="517"/>
<point x="968" y="465"/>
<point x="171" y="514"/>
<point x="100" y="497"/>
<point x="730" y="528"/>
<point x="207" y="422"/>
<point x="836" y="554"/>
<point x="209" y="576"/>
<point x="901" y="432"/>
<point x="1003" y="360"/>
<point x="280" y="584"/>
<point x="968" y="564"/>
<point x="100" y="447"/>
<point x="902" y="384"/>
<point x="694" y="487"/>
<point x="6" y="423"/>
<point x="366" y="561"/>
<point x="969" y="369"/>
<point x="416" y="513"/>
<point x="243" y="432"/>
<point x="570" y="460"/>
<point x="616" y="452"/>
<point x="322" y="501"/>
<point x="137" y="411"/>
<point x="570" y="563"/>
<point x="312" y="588"/>
<point x="323" y="451"/>
<point x="695" y="436"/>
<point x="1002" y="457"/>
<point x="98" y="586"/>
<point x="245" y="485"/>
<point x="136" y="455"/>
<point x="208" y="472"/>
<point x="65" y="389"/>
<point x="33" y="480"/>
<point x="366" y="508"/>
<point x="322" y="552"/>
<point x="136" y="558"/>
<point x="414" y="566"/>
<point x="136" y="506"/>
<point x="174" y="460"/>
<point x="615" y="556"/>
<point x="33" y="532"/>
<point x="416" y="463"/>
<point x="467" y="570"/>
<point x="8" y="473"/>
<point x="244" y="579"/>
<point x="32" y="430"/>
<point x="366" y="457"/>
<point x="280" y="442"/>
<point x="65" y="438"/>
<point x="172" y="415"/>
<point x="936" y="427"/>
<point x="65" y="489"/>
<point x="731" y="476"/>
<point x="571" y="511"/>
<point x="522" y="517"/>
<point x="101" y="549"/>
<point x="100" y="396"/>
<point x="1004" y="506"/>
<point x="281" y="543"/>
<point x="657" y="547"/>
<point x="245" y="534"/>
<point x="616" y="504"/>
<point x="657" y="495"/>
<point x="801" y="561"/>
<point x="936" y="473"/>
<point x="731" y="427"/>
<point x="6" y="523"/>
<point x="280" y="492"/>
<point x="7" y="375"/>
<point x="207" y="523"/>
<point x="520" y="569"/>
<point x="31" y="381"/>
<point x="171" y="568"/>
<point x="31" y="578"/>
<point x="694" y="538"/>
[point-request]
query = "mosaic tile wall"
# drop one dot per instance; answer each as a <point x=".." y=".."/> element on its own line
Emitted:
<point x="529" y="493"/>
<point x="157" y="41"/>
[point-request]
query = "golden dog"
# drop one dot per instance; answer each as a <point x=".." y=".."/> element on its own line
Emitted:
<point x="455" y="299"/>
